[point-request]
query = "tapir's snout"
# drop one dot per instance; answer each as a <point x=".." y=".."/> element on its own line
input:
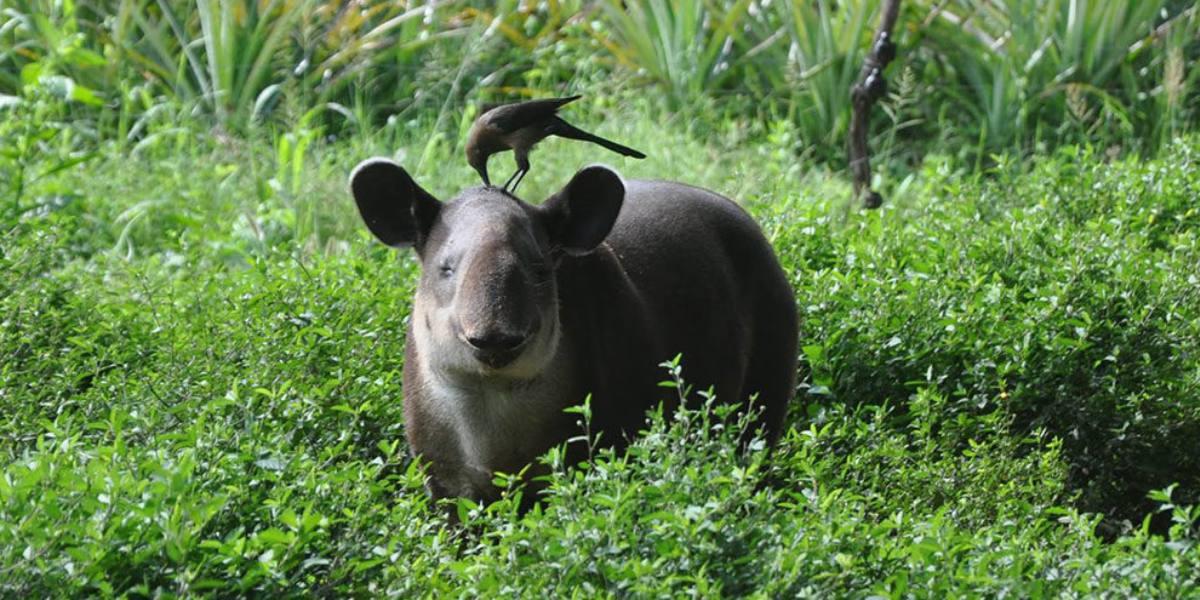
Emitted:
<point x="497" y="341"/>
<point x="496" y="349"/>
<point x="497" y="306"/>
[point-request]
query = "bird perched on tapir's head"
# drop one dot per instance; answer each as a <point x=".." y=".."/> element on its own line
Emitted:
<point x="518" y="127"/>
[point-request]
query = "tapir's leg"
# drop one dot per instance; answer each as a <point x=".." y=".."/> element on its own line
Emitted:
<point x="771" y="371"/>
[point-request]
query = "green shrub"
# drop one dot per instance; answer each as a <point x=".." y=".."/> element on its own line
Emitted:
<point x="200" y="361"/>
<point x="1066" y="297"/>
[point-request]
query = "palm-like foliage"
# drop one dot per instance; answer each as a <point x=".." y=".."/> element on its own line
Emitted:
<point x="234" y="57"/>
<point x="686" y="46"/>
<point x="824" y="54"/>
<point x="228" y="58"/>
<point x="1021" y="65"/>
<point x="1008" y="73"/>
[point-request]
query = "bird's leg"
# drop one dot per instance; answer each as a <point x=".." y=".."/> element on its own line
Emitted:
<point x="522" y="157"/>
<point x="511" y="178"/>
<point x="518" y="182"/>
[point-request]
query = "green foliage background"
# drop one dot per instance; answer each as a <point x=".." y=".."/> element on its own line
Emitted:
<point x="200" y="346"/>
<point x="975" y="75"/>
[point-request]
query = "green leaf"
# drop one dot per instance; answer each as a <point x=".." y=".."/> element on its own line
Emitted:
<point x="85" y="95"/>
<point x="67" y="164"/>
<point x="31" y="73"/>
<point x="274" y="536"/>
<point x="288" y="517"/>
<point x="82" y="57"/>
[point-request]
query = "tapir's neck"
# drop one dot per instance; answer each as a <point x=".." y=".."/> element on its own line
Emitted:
<point x="499" y="423"/>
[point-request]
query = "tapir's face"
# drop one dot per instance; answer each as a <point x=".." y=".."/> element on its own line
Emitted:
<point x="487" y="301"/>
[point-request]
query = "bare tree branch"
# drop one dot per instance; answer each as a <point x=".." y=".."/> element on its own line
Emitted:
<point x="871" y="87"/>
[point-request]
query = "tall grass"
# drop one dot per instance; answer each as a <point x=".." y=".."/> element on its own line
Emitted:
<point x="825" y="47"/>
<point x="233" y="60"/>
<point x="1047" y="68"/>
<point x="988" y="75"/>
<point x="686" y="46"/>
<point x="238" y="58"/>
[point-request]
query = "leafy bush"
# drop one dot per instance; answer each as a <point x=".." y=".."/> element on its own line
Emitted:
<point x="1065" y="297"/>
<point x="201" y="355"/>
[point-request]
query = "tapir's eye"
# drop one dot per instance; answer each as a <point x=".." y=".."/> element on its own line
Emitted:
<point x="446" y="269"/>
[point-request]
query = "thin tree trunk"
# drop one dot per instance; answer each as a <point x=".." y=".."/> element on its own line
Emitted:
<point x="871" y="87"/>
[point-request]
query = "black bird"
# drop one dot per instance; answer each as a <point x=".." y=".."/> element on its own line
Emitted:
<point x="518" y="127"/>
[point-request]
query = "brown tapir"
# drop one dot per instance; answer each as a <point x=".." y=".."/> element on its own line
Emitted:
<point x="522" y="311"/>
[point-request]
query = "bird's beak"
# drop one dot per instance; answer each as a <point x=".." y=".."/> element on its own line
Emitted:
<point x="483" y="173"/>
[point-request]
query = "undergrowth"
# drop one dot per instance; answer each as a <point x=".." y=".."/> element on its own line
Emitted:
<point x="200" y="356"/>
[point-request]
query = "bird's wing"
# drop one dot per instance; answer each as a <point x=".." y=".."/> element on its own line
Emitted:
<point x="512" y="117"/>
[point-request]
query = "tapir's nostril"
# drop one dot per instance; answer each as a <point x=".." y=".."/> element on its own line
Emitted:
<point x="496" y="341"/>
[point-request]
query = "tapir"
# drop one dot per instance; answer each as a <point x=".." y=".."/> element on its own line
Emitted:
<point x="524" y="310"/>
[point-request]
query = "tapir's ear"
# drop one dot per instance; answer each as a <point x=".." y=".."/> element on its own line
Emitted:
<point x="581" y="214"/>
<point x="392" y="205"/>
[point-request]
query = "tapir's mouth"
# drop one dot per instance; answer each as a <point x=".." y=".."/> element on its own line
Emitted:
<point x="497" y="359"/>
<point x="497" y="353"/>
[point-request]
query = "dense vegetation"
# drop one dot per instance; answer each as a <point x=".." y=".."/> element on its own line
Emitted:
<point x="200" y="345"/>
<point x="978" y="76"/>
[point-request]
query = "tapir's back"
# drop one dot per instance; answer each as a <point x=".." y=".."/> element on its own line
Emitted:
<point x="702" y="229"/>
<point x="710" y="287"/>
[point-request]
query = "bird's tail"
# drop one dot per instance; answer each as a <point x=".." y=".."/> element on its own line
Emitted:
<point x="567" y="130"/>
